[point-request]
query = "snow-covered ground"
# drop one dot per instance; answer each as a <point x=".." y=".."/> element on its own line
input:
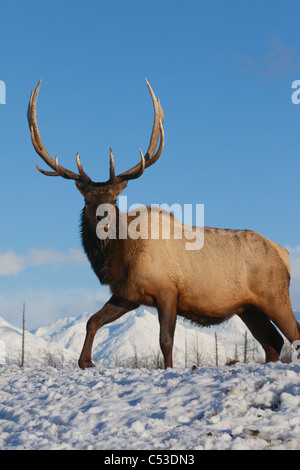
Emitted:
<point x="245" y="406"/>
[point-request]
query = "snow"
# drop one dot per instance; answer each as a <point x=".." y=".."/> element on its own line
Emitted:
<point x="244" y="406"/>
<point x="52" y="404"/>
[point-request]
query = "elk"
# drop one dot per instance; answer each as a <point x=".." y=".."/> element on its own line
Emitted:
<point x="236" y="272"/>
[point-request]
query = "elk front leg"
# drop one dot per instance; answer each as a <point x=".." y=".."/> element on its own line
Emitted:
<point x="111" y="311"/>
<point x="167" y="320"/>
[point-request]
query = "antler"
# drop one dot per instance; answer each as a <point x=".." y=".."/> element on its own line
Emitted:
<point x="42" y="152"/>
<point x="58" y="170"/>
<point x="157" y="132"/>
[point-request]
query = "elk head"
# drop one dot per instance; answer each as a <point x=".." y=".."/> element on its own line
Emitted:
<point x="100" y="192"/>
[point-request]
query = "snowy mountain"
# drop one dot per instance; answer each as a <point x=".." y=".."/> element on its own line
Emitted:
<point x="131" y="341"/>
<point x="37" y="350"/>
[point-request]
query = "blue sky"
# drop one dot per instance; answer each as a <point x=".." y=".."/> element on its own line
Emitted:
<point x="223" y="71"/>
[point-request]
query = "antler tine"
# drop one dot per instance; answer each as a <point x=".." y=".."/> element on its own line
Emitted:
<point x="160" y="148"/>
<point x="111" y="166"/>
<point x="47" y="173"/>
<point x="40" y="148"/>
<point x="157" y="125"/>
<point x="34" y="131"/>
<point x="140" y="169"/>
<point x="82" y="173"/>
<point x="157" y="132"/>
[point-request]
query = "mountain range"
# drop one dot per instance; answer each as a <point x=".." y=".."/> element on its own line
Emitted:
<point x="131" y="341"/>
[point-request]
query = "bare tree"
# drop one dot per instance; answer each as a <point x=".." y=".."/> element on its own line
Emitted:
<point x="23" y="337"/>
<point x="197" y="353"/>
<point x="216" y="347"/>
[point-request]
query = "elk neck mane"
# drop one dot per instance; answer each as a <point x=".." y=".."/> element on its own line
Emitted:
<point x="109" y="258"/>
<point x="96" y="250"/>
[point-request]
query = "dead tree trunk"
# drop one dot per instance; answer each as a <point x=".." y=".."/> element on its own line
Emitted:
<point x="23" y="337"/>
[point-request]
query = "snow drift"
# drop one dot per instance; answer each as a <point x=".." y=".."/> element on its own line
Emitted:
<point x="245" y="406"/>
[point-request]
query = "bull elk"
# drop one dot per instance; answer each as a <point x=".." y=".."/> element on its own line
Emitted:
<point x="237" y="272"/>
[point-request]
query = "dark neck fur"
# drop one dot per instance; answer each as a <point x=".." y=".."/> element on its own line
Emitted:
<point x="96" y="250"/>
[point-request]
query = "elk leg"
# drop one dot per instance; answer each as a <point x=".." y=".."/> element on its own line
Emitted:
<point x="111" y="311"/>
<point x="263" y="331"/>
<point x="283" y="317"/>
<point x="167" y="321"/>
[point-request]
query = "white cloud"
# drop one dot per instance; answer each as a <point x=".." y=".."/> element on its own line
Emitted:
<point x="11" y="263"/>
<point x="276" y="61"/>
<point x="43" y="307"/>
<point x="49" y="256"/>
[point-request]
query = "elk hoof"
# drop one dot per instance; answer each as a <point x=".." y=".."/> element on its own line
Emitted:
<point x="85" y="364"/>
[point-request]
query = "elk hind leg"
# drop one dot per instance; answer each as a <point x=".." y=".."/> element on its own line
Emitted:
<point x="283" y="317"/>
<point x="263" y="331"/>
<point x="111" y="311"/>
